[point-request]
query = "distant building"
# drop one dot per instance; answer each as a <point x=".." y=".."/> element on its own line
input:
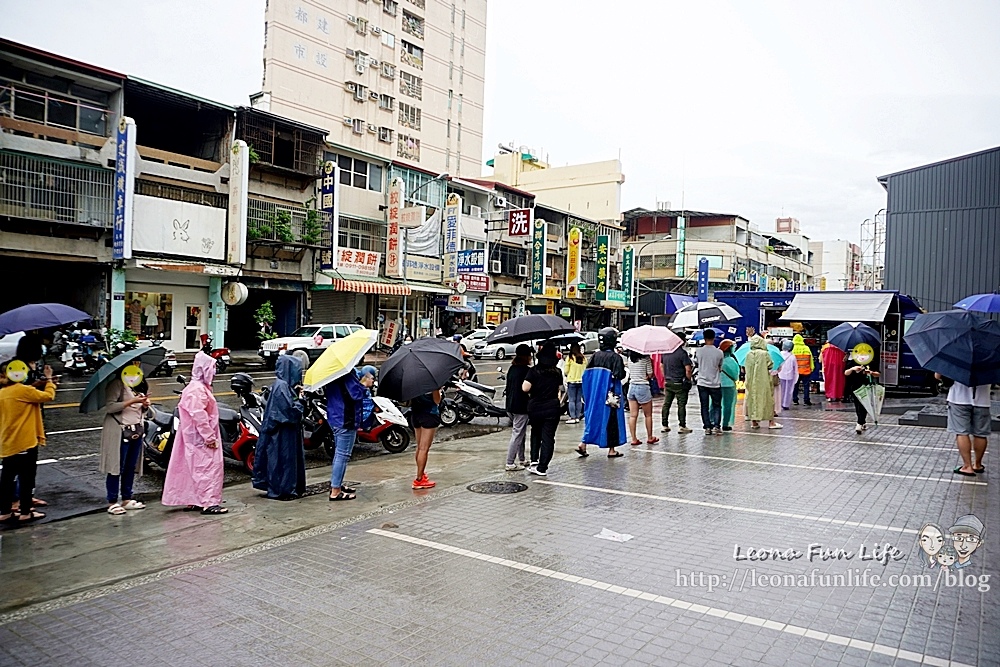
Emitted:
<point x="943" y="229"/>
<point x="837" y="265"/>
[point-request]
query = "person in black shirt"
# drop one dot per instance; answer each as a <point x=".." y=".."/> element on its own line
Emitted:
<point x="857" y="376"/>
<point x="542" y="385"/>
<point x="517" y="406"/>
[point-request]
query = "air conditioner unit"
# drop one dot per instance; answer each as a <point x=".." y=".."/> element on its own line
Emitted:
<point x="501" y="202"/>
<point x="495" y="266"/>
<point x="359" y="66"/>
<point x="548" y="271"/>
<point x="372" y="128"/>
<point x="475" y="211"/>
<point x="348" y="121"/>
<point x="522" y="270"/>
<point x="373" y="96"/>
<point x="350" y="53"/>
<point x="350" y="85"/>
<point x="376" y="30"/>
<point x="373" y="62"/>
<point x="353" y="20"/>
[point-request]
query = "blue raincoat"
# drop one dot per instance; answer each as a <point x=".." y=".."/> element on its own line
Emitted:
<point x="604" y="425"/>
<point x="280" y="464"/>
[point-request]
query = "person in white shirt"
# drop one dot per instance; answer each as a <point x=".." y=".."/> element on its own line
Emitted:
<point x="969" y="419"/>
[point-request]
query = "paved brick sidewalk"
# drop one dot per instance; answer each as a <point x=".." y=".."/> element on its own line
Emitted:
<point x="522" y="579"/>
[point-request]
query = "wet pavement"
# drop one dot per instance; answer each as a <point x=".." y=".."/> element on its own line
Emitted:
<point x="755" y="547"/>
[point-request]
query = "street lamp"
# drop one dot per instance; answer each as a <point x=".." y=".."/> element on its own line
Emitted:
<point x="635" y="272"/>
<point x="406" y="233"/>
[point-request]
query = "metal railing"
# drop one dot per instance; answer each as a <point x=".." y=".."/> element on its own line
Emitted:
<point x="40" y="189"/>
<point x="290" y="225"/>
<point x="54" y="110"/>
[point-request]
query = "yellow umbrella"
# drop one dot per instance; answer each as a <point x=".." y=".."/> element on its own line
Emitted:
<point x="340" y="358"/>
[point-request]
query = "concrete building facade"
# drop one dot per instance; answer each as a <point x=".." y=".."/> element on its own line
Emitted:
<point x="837" y="265"/>
<point x="403" y="80"/>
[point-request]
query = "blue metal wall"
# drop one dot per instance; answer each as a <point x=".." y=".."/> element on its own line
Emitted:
<point x="943" y="229"/>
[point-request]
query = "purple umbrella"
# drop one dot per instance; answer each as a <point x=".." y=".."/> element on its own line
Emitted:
<point x="39" y="316"/>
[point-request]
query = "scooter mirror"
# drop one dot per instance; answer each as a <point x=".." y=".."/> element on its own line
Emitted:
<point x="182" y="379"/>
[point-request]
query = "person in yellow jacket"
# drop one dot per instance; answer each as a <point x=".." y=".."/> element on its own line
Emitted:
<point x="805" y="363"/>
<point x="21" y="432"/>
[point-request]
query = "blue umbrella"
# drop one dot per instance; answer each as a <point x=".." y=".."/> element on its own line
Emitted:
<point x="743" y="350"/>
<point x="983" y="303"/>
<point x="957" y="344"/>
<point x="699" y="334"/>
<point x="94" y="396"/>
<point x="39" y="316"/>
<point x="845" y="336"/>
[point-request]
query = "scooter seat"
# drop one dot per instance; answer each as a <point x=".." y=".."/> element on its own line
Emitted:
<point x="161" y="418"/>
<point x="228" y="414"/>
<point x="481" y="387"/>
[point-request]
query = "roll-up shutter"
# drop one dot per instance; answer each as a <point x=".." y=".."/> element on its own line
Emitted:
<point x="329" y="307"/>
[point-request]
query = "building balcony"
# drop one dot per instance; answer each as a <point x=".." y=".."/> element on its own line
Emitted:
<point x="51" y="116"/>
<point x="178" y="160"/>
<point x="274" y="228"/>
<point x="39" y="189"/>
<point x="410" y="59"/>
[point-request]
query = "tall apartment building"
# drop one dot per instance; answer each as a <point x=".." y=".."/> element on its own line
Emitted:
<point x="837" y="264"/>
<point x="399" y="79"/>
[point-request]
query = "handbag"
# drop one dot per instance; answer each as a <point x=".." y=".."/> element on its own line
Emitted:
<point x="775" y="381"/>
<point x="613" y="400"/>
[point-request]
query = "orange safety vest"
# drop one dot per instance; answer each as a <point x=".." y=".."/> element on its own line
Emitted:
<point x="804" y="363"/>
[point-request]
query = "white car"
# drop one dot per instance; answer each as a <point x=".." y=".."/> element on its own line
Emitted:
<point x="471" y="339"/>
<point x="8" y="345"/>
<point x="305" y="339"/>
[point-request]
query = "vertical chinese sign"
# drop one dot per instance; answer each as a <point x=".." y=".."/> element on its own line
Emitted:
<point x="573" y="262"/>
<point x="393" y="262"/>
<point x="681" y="246"/>
<point x="601" y="292"/>
<point x="538" y="258"/>
<point x="329" y="205"/>
<point x="452" y="235"/>
<point x="124" y="189"/>
<point x="628" y="274"/>
<point x="239" y="175"/>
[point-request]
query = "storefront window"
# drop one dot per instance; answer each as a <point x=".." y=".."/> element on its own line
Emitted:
<point x="149" y="314"/>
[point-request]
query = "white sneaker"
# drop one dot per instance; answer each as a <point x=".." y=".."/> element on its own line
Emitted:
<point x="858" y="429"/>
<point x="535" y="471"/>
<point x="665" y="429"/>
<point x="513" y="467"/>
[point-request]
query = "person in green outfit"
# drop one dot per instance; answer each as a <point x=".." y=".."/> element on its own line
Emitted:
<point x="730" y="375"/>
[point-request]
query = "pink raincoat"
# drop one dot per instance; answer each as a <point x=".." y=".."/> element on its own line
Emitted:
<point x="195" y="473"/>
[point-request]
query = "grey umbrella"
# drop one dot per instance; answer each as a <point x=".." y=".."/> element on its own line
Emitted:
<point x="94" y="396"/>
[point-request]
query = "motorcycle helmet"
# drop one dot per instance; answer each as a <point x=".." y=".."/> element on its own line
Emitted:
<point x="241" y="383"/>
<point x="608" y="338"/>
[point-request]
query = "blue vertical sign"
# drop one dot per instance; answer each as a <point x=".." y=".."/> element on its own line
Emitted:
<point x="703" y="279"/>
<point x="328" y="206"/>
<point x="121" y="233"/>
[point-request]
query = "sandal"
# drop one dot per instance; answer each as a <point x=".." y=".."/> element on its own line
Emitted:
<point x="191" y="508"/>
<point x="116" y="509"/>
<point x="958" y="471"/>
<point x="582" y="453"/>
<point x="615" y="455"/>
<point x="347" y="489"/>
<point x="215" y="509"/>
<point x="635" y="442"/>
<point x="980" y="469"/>
<point x="652" y="441"/>
<point x="131" y="504"/>
<point x="30" y="517"/>
<point x="342" y="496"/>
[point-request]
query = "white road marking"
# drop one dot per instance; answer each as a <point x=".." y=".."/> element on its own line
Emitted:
<point x="74" y="430"/>
<point x="688" y="607"/>
<point x="818" y="468"/>
<point x="871" y="443"/>
<point x="734" y="508"/>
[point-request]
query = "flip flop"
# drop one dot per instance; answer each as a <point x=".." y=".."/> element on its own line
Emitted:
<point x="215" y="509"/>
<point x="979" y="470"/>
<point x="25" y="518"/>
<point x="635" y="442"/>
<point x="958" y="471"/>
<point x="582" y="453"/>
<point x="615" y="455"/>
<point x="652" y="441"/>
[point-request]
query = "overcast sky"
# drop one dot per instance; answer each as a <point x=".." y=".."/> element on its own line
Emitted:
<point x="753" y="108"/>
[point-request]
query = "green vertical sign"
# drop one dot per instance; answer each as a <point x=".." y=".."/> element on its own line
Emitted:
<point x="538" y="258"/>
<point x="628" y="274"/>
<point x="602" y="269"/>
<point x="681" y="245"/>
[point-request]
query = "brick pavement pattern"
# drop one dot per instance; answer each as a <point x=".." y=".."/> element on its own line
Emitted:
<point x="521" y="579"/>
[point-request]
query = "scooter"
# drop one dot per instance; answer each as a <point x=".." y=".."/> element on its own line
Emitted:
<point x="389" y="426"/>
<point x="169" y="363"/>
<point x="221" y="354"/>
<point x="471" y="400"/>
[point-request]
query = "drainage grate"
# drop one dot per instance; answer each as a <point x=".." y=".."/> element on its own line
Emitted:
<point x="316" y="489"/>
<point x="497" y="487"/>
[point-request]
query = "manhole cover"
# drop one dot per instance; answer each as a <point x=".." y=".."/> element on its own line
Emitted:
<point x="316" y="489"/>
<point x="497" y="487"/>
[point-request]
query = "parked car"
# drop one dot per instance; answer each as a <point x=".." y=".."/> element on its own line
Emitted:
<point x="304" y="338"/>
<point x="8" y="345"/>
<point x="498" y="351"/>
<point x="470" y="339"/>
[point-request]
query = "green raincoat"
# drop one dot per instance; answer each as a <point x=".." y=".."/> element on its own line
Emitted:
<point x="760" y="392"/>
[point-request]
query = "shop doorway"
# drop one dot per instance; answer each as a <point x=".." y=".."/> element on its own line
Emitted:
<point x="194" y="317"/>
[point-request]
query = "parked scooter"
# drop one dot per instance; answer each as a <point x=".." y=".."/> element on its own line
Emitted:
<point x="470" y="400"/>
<point x="221" y="354"/>
<point x="169" y="363"/>
<point x="389" y="426"/>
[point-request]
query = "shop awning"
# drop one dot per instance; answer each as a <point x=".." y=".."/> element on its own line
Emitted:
<point x="346" y="282"/>
<point x="460" y="309"/>
<point x="429" y="288"/>
<point x="839" y="307"/>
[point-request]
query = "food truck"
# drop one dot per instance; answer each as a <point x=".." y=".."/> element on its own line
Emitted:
<point x="813" y="313"/>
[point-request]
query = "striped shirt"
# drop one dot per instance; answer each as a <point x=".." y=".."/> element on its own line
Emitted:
<point x="639" y="371"/>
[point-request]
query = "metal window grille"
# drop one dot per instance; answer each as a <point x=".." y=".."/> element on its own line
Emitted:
<point x="177" y="193"/>
<point x="361" y="235"/>
<point x="280" y="145"/>
<point x="40" y="189"/>
<point x="286" y="223"/>
<point x="53" y="110"/>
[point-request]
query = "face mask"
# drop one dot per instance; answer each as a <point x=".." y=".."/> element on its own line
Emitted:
<point x="131" y="376"/>
<point x="862" y="354"/>
<point x="17" y="371"/>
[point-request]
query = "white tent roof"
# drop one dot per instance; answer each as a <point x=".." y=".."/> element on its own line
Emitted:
<point x="839" y="306"/>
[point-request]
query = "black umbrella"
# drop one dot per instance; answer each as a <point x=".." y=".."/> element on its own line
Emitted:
<point x="419" y="368"/>
<point x="703" y="314"/>
<point x="530" y="327"/>
<point x="957" y="344"/>
<point x="845" y="336"/>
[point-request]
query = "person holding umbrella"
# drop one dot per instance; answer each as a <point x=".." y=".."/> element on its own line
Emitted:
<point x="969" y="420"/>
<point x="857" y="374"/>
<point x="121" y="438"/>
<point x="517" y="407"/>
<point x="196" y="470"/>
<point x="426" y="419"/>
<point x="21" y="433"/>
<point x="542" y="384"/>
<point x="279" y="466"/>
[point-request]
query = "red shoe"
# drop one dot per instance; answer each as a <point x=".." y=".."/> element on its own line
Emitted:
<point x="423" y="483"/>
